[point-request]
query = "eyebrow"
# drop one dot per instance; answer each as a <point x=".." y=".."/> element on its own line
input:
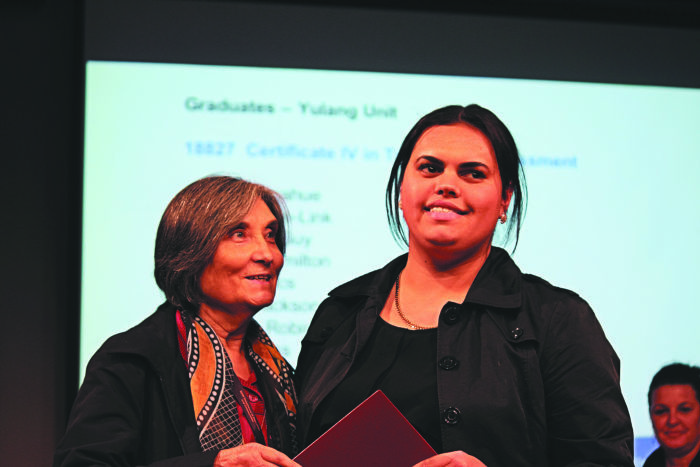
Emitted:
<point x="245" y="225"/>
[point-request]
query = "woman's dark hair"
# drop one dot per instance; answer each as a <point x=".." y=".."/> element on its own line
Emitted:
<point x="509" y="165"/>
<point x="676" y="373"/>
<point x="194" y="223"/>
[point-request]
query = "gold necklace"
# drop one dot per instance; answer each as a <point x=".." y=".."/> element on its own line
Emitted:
<point x="398" y="308"/>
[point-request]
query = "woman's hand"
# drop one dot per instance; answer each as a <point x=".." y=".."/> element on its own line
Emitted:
<point x="252" y="454"/>
<point x="451" y="459"/>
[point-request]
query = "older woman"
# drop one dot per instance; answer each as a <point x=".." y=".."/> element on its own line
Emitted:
<point x="492" y="366"/>
<point x="198" y="383"/>
<point x="674" y="407"/>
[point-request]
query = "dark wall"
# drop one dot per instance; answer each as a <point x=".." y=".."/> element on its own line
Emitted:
<point x="41" y="169"/>
<point x="41" y="154"/>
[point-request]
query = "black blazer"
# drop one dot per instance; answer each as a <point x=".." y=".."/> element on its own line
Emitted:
<point x="526" y="376"/>
<point x="135" y="406"/>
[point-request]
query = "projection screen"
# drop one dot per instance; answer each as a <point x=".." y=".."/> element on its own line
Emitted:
<point x="314" y="102"/>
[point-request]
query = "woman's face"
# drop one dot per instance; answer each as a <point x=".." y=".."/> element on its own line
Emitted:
<point x="451" y="193"/>
<point x="242" y="277"/>
<point x="675" y="415"/>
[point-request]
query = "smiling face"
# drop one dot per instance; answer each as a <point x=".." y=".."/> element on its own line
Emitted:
<point x="451" y="193"/>
<point x="242" y="276"/>
<point x="675" y="415"/>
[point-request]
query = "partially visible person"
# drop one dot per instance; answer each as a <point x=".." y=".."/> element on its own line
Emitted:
<point x="198" y="383"/>
<point x="674" y="408"/>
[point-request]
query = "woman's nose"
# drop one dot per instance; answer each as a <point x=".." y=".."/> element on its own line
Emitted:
<point x="262" y="250"/>
<point x="446" y="186"/>
<point x="672" y="418"/>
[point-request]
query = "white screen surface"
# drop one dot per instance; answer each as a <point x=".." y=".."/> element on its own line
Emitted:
<point x="610" y="171"/>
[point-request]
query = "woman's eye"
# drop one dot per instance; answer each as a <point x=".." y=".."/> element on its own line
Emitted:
<point x="428" y="168"/>
<point x="237" y="234"/>
<point x="659" y="411"/>
<point x="475" y="174"/>
<point x="270" y="234"/>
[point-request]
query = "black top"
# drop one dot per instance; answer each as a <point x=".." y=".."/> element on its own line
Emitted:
<point x="135" y="405"/>
<point x="658" y="459"/>
<point x="525" y="375"/>
<point x="400" y="362"/>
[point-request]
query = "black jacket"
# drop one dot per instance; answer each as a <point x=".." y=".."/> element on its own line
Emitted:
<point x="658" y="459"/>
<point x="135" y="406"/>
<point x="525" y="376"/>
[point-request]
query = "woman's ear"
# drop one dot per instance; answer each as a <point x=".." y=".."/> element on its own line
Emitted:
<point x="505" y="202"/>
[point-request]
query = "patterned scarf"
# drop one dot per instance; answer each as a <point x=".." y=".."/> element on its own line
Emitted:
<point x="212" y="380"/>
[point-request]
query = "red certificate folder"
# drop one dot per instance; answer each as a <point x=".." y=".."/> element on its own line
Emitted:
<point x="374" y="433"/>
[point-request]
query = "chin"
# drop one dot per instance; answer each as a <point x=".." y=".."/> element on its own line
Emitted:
<point x="443" y="243"/>
<point x="262" y="303"/>
<point x="456" y="245"/>
<point x="677" y="445"/>
<point x="445" y="238"/>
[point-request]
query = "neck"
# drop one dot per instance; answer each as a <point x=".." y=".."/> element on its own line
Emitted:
<point x="457" y="271"/>
<point x="227" y="326"/>
<point x="426" y="286"/>
<point x="682" y="460"/>
<point x="231" y="329"/>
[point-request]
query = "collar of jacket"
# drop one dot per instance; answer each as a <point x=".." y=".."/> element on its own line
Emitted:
<point x="498" y="283"/>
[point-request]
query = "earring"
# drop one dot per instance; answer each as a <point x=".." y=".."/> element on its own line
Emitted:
<point x="503" y="218"/>
<point x="400" y="205"/>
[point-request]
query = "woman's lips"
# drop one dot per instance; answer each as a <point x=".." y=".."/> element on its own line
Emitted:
<point x="260" y="277"/>
<point x="444" y="213"/>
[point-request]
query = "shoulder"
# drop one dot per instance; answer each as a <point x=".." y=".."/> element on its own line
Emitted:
<point x="154" y="326"/>
<point x="347" y="299"/>
<point x="558" y="309"/>
<point x="536" y="286"/>
<point x="118" y="372"/>
<point x="372" y="282"/>
<point x="149" y="340"/>
<point x="129" y="362"/>
<point x="562" y="318"/>
<point x="536" y="290"/>
<point x="503" y="285"/>
<point x="341" y="305"/>
<point x="656" y="459"/>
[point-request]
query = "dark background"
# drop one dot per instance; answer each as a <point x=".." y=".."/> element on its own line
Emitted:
<point x="42" y="99"/>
